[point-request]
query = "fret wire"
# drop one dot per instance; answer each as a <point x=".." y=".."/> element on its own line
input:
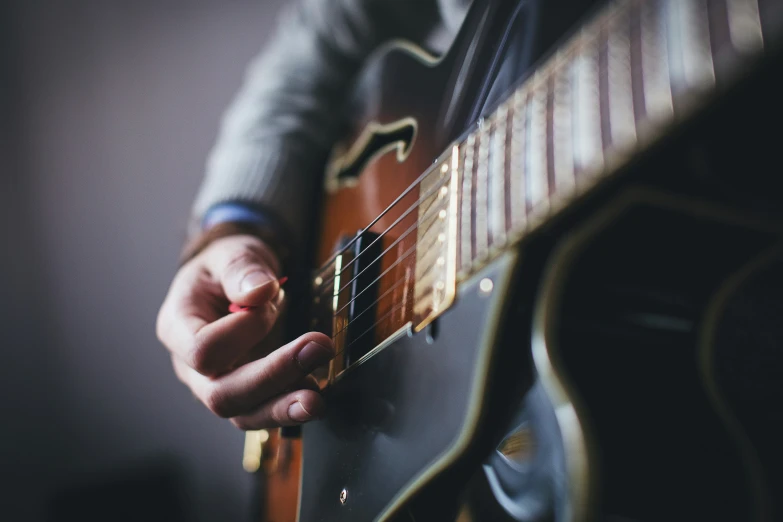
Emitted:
<point x="655" y="64"/>
<point x="602" y="48"/>
<point x="466" y="243"/>
<point x="549" y="117"/>
<point x="744" y="24"/>
<point x="635" y="63"/>
<point x="672" y="43"/>
<point x="587" y="145"/>
<point x="697" y="49"/>
<point x="482" y="193"/>
<point x="517" y="188"/>
<point x="536" y="153"/>
<point x="473" y="173"/>
<point x="497" y="177"/>
<point x="622" y="123"/>
<point x="535" y="185"/>
<point x="688" y="45"/>
<point x="459" y="217"/>
<point x="563" y="147"/>
<point x="508" y="204"/>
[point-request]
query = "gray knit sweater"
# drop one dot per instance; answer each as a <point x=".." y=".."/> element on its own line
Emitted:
<point x="278" y="131"/>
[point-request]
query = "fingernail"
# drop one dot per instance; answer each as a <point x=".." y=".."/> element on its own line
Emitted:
<point x="312" y="356"/>
<point x="254" y="280"/>
<point x="296" y="412"/>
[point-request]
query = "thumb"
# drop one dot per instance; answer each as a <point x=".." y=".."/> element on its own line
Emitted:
<point x="243" y="266"/>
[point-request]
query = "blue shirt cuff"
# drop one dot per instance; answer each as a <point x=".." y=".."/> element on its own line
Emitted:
<point x="234" y="213"/>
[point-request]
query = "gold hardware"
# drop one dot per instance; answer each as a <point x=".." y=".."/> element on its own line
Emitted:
<point x="436" y="262"/>
<point x="337" y="364"/>
<point x="486" y="285"/>
<point x="519" y="446"/>
<point x="254" y="450"/>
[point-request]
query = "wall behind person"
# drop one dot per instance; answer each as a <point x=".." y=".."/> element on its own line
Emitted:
<point x="109" y="110"/>
<point x="29" y="389"/>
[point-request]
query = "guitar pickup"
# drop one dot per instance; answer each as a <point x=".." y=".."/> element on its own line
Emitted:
<point x="355" y="300"/>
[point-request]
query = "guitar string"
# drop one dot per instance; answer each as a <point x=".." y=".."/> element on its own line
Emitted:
<point x="390" y="311"/>
<point x="325" y="285"/>
<point x="413" y="227"/>
<point x="410" y="229"/>
<point x="369" y="307"/>
<point x="376" y="323"/>
<point x="326" y="266"/>
<point x="385" y="316"/>
<point x="368" y="330"/>
<point x="412" y="186"/>
<point x="405" y="255"/>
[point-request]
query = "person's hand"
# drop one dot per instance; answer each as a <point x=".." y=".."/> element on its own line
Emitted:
<point x="226" y="359"/>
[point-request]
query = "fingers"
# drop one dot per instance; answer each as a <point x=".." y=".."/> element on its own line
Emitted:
<point x="214" y="352"/>
<point x="287" y="410"/>
<point x="249" y="390"/>
<point x="245" y="268"/>
<point x="193" y="327"/>
<point x="192" y="322"/>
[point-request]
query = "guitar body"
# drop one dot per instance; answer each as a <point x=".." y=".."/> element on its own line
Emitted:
<point x="632" y="340"/>
<point x="385" y="413"/>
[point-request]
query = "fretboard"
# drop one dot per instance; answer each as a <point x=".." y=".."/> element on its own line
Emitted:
<point x="615" y="87"/>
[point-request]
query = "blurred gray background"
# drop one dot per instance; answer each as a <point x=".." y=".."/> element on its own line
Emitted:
<point x="107" y="112"/>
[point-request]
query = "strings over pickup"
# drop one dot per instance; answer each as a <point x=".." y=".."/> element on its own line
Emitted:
<point x="436" y="242"/>
<point x="355" y="298"/>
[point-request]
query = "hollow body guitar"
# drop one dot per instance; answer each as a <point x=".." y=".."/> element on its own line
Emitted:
<point x="600" y="250"/>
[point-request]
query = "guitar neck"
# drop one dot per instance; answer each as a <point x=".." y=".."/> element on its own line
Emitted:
<point x="616" y="86"/>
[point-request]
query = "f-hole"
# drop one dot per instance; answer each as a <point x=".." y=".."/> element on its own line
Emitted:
<point x="375" y="140"/>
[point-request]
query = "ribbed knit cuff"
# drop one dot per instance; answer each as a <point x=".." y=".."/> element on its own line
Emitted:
<point x="198" y="243"/>
<point x="268" y="176"/>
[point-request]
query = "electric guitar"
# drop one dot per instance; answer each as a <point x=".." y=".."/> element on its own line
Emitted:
<point x="567" y="298"/>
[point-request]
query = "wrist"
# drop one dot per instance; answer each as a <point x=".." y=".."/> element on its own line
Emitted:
<point x="269" y="236"/>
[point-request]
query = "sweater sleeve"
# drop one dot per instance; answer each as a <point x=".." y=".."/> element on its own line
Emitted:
<point x="278" y="131"/>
